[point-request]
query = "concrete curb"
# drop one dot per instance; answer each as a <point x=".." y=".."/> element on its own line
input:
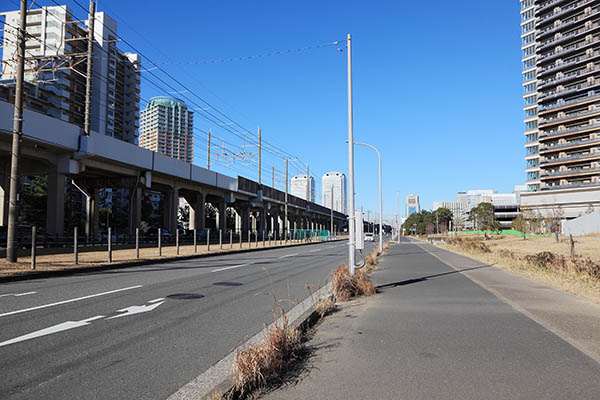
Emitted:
<point x="219" y="378"/>
<point x="30" y="275"/>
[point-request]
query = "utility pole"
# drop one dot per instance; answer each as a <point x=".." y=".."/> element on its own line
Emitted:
<point x="351" y="216"/>
<point x="331" y="233"/>
<point x="90" y="71"/>
<point x="285" y="222"/>
<point x="259" y="156"/>
<point x="15" y="156"/>
<point x="307" y="184"/>
<point x="208" y="151"/>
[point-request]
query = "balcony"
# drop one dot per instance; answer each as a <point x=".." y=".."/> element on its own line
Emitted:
<point x="581" y="128"/>
<point x="571" y="186"/>
<point x="591" y="96"/>
<point x="547" y="5"/>
<point x="568" y="90"/>
<point x="569" y="117"/>
<point x="570" y="48"/>
<point x="569" y="63"/>
<point x="563" y="11"/>
<point x="573" y="158"/>
<point x="569" y="75"/>
<point x="574" y="144"/>
<point x="567" y="22"/>
<point x="571" y="172"/>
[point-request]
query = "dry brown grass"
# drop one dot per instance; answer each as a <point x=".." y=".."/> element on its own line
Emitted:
<point x="542" y="260"/>
<point x="325" y="306"/>
<point x="345" y="287"/>
<point x="256" y="365"/>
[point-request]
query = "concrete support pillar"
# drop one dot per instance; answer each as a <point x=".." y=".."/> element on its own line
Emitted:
<point x="55" y="206"/>
<point x="238" y="220"/>
<point x="135" y="209"/>
<point x="221" y="215"/>
<point x="245" y="217"/>
<point x="171" y="210"/>
<point x="262" y="219"/>
<point x="197" y="210"/>
<point x="276" y="226"/>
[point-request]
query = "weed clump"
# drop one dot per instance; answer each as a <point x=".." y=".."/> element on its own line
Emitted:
<point x="346" y="286"/>
<point x="473" y="245"/>
<point x="256" y="365"/>
<point x="325" y="306"/>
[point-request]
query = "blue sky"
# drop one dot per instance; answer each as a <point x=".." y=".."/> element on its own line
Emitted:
<point x="437" y="85"/>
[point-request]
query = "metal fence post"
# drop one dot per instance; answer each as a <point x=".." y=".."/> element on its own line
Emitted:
<point x="137" y="242"/>
<point x="231" y="239"/>
<point x="109" y="244"/>
<point x="256" y="238"/>
<point x="271" y="234"/>
<point x="195" y="243"/>
<point x="220" y="239"/>
<point x="241" y="238"/>
<point x="249" y="238"/>
<point x="177" y="241"/>
<point x="263" y="233"/>
<point x="75" y="249"/>
<point x="208" y="239"/>
<point x="159" y="243"/>
<point x="33" y="246"/>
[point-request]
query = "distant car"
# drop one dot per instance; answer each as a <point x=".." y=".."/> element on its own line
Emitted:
<point x="369" y="237"/>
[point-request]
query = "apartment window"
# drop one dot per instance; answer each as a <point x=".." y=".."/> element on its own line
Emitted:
<point x="529" y="88"/>
<point x="528" y="39"/>
<point x="527" y="27"/>
<point x="532" y="112"/>
<point x="532" y="176"/>
<point x="529" y="63"/>
<point x="530" y="100"/>
<point x="532" y="163"/>
<point x="531" y="150"/>
<point x="528" y="51"/>
<point x="526" y="3"/>
<point x="527" y="76"/>
<point x="526" y="15"/>
<point x="530" y="138"/>
<point x="530" y="125"/>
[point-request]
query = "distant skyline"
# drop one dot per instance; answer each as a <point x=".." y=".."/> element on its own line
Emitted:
<point x="436" y="89"/>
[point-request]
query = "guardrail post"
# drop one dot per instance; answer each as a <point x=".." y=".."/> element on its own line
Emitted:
<point x="177" y="241"/>
<point x="231" y="239"/>
<point x="241" y="238"/>
<point x="249" y="238"/>
<point x="220" y="239"/>
<point x="208" y="239"/>
<point x="75" y="247"/>
<point x="33" y="246"/>
<point x="256" y="238"/>
<point x="109" y="244"/>
<point x="159" y="243"/>
<point x="195" y="243"/>
<point x="270" y="234"/>
<point x="137" y="242"/>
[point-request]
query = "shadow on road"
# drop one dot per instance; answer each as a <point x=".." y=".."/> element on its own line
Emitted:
<point x="425" y="278"/>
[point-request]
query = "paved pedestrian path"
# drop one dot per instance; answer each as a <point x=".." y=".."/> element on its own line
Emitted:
<point x="434" y="333"/>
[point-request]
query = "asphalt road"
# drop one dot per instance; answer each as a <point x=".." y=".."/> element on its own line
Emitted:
<point x="142" y="333"/>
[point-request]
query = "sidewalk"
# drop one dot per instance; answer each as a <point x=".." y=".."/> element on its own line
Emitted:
<point x="433" y="333"/>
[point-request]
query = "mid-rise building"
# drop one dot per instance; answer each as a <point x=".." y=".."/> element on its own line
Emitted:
<point x="337" y="181"/>
<point x="167" y="127"/>
<point x="412" y="204"/>
<point x="561" y="38"/>
<point x="298" y="187"/>
<point x="55" y="71"/>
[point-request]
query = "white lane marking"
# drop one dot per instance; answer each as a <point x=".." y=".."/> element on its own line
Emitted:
<point x="16" y="294"/>
<point x="136" y="310"/>
<point x="312" y="251"/>
<point x="68" y="301"/>
<point x="53" y="329"/>
<point x="156" y="300"/>
<point x="288" y="255"/>
<point x="24" y="294"/>
<point x="232" y="267"/>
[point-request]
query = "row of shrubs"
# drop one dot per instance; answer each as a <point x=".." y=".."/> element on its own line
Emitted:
<point x="545" y="260"/>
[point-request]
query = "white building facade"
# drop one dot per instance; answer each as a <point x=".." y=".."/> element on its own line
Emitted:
<point x="337" y="181"/>
<point x="56" y="39"/>
<point x="298" y="187"/>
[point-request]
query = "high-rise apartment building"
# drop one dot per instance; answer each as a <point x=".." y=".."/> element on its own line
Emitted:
<point x="167" y="127"/>
<point x="412" y="204"/>
<point x="56" y="67"/>
<point x="298" y="187"/>
<point x="337" y="181"/>
<point x="561" y="72"/>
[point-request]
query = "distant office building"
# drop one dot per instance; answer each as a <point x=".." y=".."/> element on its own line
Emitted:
<point x="506" y="206"/>
<point x="167" y="127"/>
<point x="298" y="187"/>
<point x="337" y="181"/>
<point x="56" y="39"/>
<point x="412" y="204"/>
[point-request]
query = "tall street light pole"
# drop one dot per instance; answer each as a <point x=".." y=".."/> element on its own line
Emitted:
<point x="399" y="227"/>
<point x="351" y="216"/>
<point x="380" y="196"/>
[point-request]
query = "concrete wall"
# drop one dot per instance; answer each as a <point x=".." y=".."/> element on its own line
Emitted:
<point x="589" y="223"/>
<point x="573" y="202"/>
